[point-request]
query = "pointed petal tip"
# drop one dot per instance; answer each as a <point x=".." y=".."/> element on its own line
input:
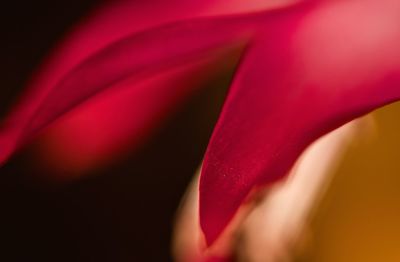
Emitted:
<point x="218" y="211"/>
<point x="210" y="237"/>
<point x="211" y="227"/>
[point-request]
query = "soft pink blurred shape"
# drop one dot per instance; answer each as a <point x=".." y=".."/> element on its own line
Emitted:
<point x="305" y="73"/>
<point x="76" y="63"/>
<point x="118" y="119"/>
<point x="112" y="123"/>
<point x="109" y="23"/>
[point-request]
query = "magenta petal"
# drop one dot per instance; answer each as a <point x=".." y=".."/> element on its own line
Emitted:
<point x="297" y="82"/>
<point x="114" y="122"/>
<point x="119" y="119"/>
<point x="137" y="57"/>
<point x="73" y="78"/>
<point x="112" y="21"/>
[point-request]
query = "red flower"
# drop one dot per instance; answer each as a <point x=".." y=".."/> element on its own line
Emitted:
<point x="305" y="70"/>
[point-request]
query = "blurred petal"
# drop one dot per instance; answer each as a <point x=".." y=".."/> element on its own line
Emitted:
<point x="108" y="24"/>
<point x="122" y="118"/>
<point x="138" y="57"/>
<point x="98" y="115"/>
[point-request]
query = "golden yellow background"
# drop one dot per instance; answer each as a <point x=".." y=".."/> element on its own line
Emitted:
<point x="359" y="216"/>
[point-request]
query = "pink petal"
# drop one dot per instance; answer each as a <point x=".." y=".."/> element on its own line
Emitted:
<point x="306" y="75"/>
<point x="119" y="119"/>
<point x="137" y="57"/>
<point x="111" y="22"/>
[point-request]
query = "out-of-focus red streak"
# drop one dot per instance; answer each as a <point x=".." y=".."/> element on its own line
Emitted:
<point x="98" y="127"/>
<point x="119" y="119"/>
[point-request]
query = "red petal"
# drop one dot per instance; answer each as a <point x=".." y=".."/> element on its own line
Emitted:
<point x="303" y="78"/>
<point x="110" y="23"/>
<point x="138" y="57"/>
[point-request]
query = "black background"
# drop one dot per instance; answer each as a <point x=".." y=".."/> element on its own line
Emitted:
<point x="121" y="213"/>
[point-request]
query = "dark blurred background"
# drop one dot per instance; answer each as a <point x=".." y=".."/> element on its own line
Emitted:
<point x="123" y="212"/>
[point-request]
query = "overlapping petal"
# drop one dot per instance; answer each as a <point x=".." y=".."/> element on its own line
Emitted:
<point x="300" y="80"/>
<point x="108" y="24"/>
<point x="137" y="57"/>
